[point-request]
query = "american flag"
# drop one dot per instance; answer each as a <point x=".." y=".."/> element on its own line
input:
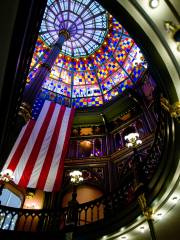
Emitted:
<point x="37" y="158"/>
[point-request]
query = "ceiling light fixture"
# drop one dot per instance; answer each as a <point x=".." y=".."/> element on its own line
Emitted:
<point x="142" y="229"/>
<point x="124" y="237"/>
<point x="159" y="216"/>
<point x="174" y="199"/>
<point x="154" y="3"/>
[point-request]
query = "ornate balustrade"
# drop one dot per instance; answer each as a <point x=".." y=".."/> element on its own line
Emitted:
<point x="57" y="220"/>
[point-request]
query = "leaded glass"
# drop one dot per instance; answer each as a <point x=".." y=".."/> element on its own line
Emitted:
<point x="77" y="19"/>
<point x="98" y="62"/>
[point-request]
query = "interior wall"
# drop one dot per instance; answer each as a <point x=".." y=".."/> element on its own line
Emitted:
<point x="35" y="201"/>
<point x="85" y="193"/>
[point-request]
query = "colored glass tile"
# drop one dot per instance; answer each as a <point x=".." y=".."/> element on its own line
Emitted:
<point x="119" y="76"/>
<point x="79" y="78"/>
<point x="93" y="90"/>
<point x="66" y="76"/>
<point x="107" y="85"/>
<point x="90" y="77"/>
<point x="79" y="91"/>
<point x="108" y="68"/>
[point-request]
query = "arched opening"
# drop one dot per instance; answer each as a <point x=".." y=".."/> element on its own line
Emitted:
<point x="85" y="148"/>
<point x="86" y="193"/>
<point x="118" y="142"/>
<point x="11" y="196"/>
<point x="97" y="147"/>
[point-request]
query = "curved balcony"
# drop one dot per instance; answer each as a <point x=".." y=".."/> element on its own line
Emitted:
<point x="109" y="212"/>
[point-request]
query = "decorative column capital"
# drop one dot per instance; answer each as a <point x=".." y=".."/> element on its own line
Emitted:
<point x="46" y="65"/>
<point x="25" y="111"/>
<point x="65" y="33"/>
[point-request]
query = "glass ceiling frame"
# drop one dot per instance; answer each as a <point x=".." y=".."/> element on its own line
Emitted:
<point x="85" y="20"/>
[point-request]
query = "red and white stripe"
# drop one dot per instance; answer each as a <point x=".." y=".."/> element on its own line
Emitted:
<point x="37" y="158"/>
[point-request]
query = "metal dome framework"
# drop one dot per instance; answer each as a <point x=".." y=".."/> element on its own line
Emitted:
<point x="112" y="62"/>
<point x="86" y="21"/>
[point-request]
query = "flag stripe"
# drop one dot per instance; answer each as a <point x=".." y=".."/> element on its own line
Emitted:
<point x="58" y="150"/>
<point x="33" y="156"/>
<point x="29" y="146"/>
<point x="37" y="157"/>
<point x="44" y="149"/>
<point x="19" y="146"/>
<point x="51" y="150"/>
<point x="59" y="175"/>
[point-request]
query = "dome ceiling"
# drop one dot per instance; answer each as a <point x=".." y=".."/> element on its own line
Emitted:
<point x="86" y="21"/>
<point x="97" y="63"/>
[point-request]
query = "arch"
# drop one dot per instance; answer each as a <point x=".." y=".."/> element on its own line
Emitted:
<point x="86" y="193"/>
<point x="12" y="196"/>
<point x="118" y="142"/>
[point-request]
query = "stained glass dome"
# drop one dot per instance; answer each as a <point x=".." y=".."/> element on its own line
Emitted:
<point x="97" y="63"/>
<point x="85" y="20"/>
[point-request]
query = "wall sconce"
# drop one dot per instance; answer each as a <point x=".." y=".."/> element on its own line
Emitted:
<point x="6" y="175"/>
<point x="29" y="195"/>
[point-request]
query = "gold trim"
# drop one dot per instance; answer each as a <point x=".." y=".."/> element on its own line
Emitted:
<point x="25" y="111"/>
<point x="147" y="211"/>
<point x="174" y="109"/>
<point x="173" y="29"/>
<point x="65" y="33"/>
<point x="29" y="195"/>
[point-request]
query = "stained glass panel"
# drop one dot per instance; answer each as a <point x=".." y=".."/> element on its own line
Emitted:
<point x="66" y="76"/>
<point x="79" y="91"/>
<point x="107" y="69"/>
<point x="79" y="78"/>
<point x="90" y="77"/>
<point x="119" y="76"/>
<point x="93" y="90"/>
<point x="107" y="85"/>
<point x="95" y="101"/>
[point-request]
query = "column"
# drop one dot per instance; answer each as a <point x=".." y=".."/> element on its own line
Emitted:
<point x="34" y="87"/>
<point x="106" y="132"/>
<point x="93" y="151"/>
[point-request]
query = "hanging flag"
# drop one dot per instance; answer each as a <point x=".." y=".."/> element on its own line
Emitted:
<point x="37" y="158"/>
